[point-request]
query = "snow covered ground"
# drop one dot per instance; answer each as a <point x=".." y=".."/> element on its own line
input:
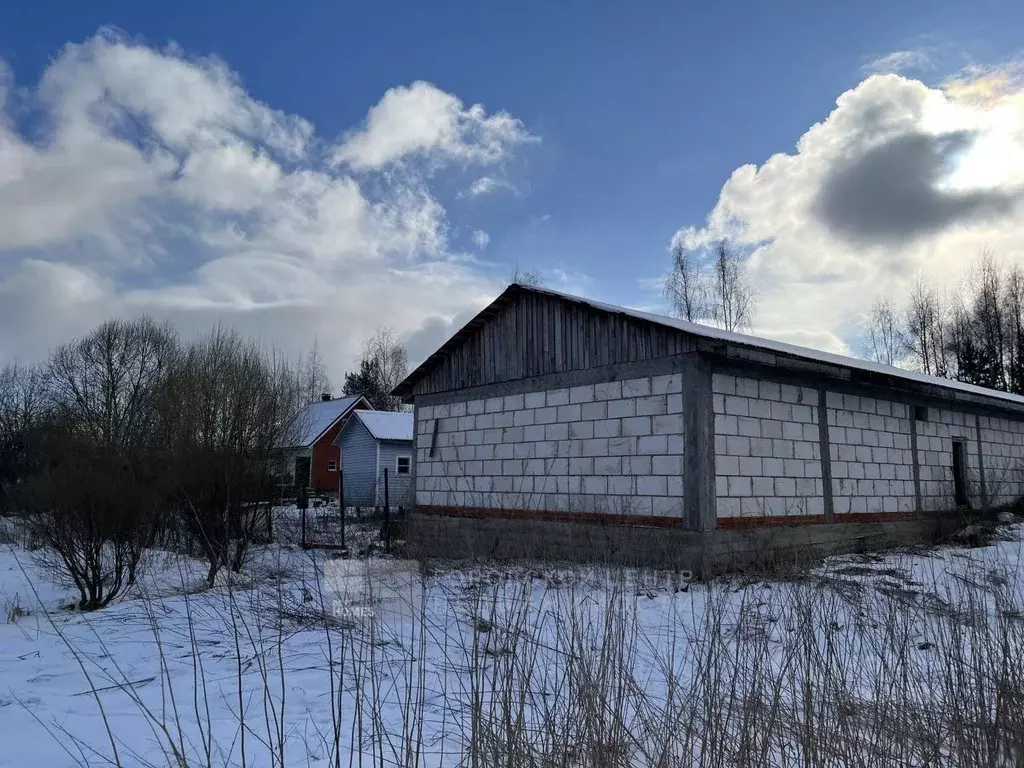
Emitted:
<point x="303" y="659"/>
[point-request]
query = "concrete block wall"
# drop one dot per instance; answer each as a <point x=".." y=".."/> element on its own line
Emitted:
<point x="618" y="447"/>
<point x="613" y="447"/>
<point x="935" y="438"/>
<point x="872" y="460"/>
<point x="1003" y="446"/>
<point x="1002" y="442"/>
<point x="767" y="448"/>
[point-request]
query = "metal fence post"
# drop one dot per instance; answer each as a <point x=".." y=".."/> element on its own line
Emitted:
<point x="386" y="529"/>
<point x="303" y="503"/>
<point x="341" y="502"/>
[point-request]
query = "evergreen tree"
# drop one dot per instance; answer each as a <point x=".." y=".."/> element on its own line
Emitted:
<point x="1015" y="373"/>
<point x="381" y="369"/>
<point x="367" y="381"/>
<point x="970" y="361"/>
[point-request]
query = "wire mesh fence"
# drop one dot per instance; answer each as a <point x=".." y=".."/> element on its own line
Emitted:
<point x="317" y="522"/>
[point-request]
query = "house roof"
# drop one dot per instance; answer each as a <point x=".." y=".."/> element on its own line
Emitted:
<point x="320" y="416"/>
<point x="389" y="426"/>
<point x="704" y="331"/>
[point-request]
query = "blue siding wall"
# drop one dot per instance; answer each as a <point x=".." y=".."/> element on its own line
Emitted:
<point x="399" y="486"/>
<point x="359" y="462"/>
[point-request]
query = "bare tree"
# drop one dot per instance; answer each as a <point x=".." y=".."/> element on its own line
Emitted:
<point x="974" y="334"/>
<point x="687" y="287"/>
<point x="22" y="407"/>
<point x="926" y="331"/>
<point x="884" y="338"/>
<point x="229" y="409"/>
<point x="960" y="340"/>
<point x="91" y="516"/>
<point x="971" y="335"/>
<point x="733" y="300"/>
<point x="92" y="498"/>
<point x="1013" y="318"/>
<point x="987" y="322"/>
<point x="313" y="381"/>
<point x="383" y="366"/>
<point x="530" y="277"/>
<point x="106" y="382"/>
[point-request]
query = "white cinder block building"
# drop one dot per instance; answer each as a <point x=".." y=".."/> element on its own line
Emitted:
<point x="551" y="408"/>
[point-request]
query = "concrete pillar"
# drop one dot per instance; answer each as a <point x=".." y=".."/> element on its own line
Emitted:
<point x="699" y="497"/>
<point x="981" y="461"/>
<point x="912" y="415"/>
<point x="826" y="456"/>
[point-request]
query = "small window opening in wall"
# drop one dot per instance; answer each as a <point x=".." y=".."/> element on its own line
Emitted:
<point x="332" y="466"/>
<point x="920" y="413"/>
<point x="433" y="438"/>
<point x="960" y="473"/>
<point x="402" y="465"/>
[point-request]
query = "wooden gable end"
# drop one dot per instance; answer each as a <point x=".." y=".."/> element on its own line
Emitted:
<point x="532" y="334"/>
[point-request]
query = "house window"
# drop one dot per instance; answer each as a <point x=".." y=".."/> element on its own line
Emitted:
<point x="332" y="466"/>
<point x="402" y="465"/>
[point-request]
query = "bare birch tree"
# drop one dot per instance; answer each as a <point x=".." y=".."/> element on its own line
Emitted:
<point x="926" y="329"/>
<point x="686" y="287"/>
<point x="313" y="378"/>
<point x="987" y="322"/>
<point x="1013" y="318"/>
<point x="885" y="341"/>
<point x="733" y="300"/>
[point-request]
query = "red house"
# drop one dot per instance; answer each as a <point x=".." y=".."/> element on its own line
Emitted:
<point x="314" y="458"/>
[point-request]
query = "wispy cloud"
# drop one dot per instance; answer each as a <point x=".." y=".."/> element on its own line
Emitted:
<point x="485" y="185"/>
<point x="897" y="62"/>
<point x="480" y="238"/>
<point x="985" y="85"/>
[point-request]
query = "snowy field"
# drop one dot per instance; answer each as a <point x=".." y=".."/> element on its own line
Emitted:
<point x="304" y="660"/>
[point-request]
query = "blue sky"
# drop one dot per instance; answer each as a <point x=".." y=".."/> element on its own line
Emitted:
<point x="632" y="120"/>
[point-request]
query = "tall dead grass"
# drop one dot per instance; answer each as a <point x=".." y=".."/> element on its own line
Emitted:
<point x="901" y="662"/>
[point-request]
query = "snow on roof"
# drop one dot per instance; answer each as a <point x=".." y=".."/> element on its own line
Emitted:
<point x="791" y="350"/>
<point x="807" y="353"/>
<point x="318" y="417"/>
<point x="388" y="425"/>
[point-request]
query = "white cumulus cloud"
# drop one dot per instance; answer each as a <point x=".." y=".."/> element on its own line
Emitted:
<point x="422" y="120"/>
<point x="900" y="179"/>
<point x="161" y="186"/>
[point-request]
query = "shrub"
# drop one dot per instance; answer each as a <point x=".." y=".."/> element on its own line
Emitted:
<point x="92" y="523"/>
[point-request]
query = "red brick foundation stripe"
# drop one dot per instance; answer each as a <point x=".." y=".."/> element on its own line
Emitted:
<point x="767" y="521"/>
<point x="651" y="521"/>
<point x="598" y="518"/>
<point x="740" y="523"/>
